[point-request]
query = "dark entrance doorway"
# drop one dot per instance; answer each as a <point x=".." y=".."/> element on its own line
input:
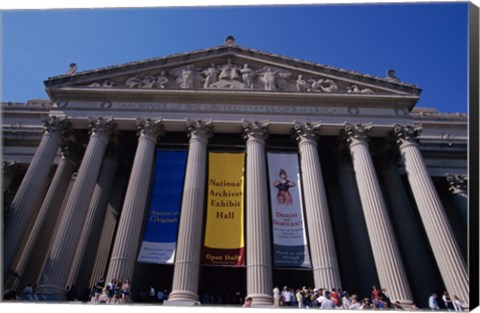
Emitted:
<point x="293" y="278"/>
<point x="158" y="276"/>
<point x="220" y="285"/>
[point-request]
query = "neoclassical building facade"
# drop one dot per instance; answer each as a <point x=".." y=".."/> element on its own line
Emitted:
<point x="231" y="169"/>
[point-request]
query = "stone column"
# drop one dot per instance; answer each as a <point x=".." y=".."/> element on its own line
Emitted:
<point x="127" y="239"/>
<point x="26" y="202"/>
<point x="445" y="248"/>
<point x="458" y="187"/>
<point x="109" y="227"/>
<point x="258" y="242"/>
<point x="9" y="170"/>
<point x="189" y="243"/>
<point x="388" y="261"/>
<point x="415" y="250"/>
<point x="33" y="254"/>
<point x="326" y="272"/>
<point x="57" y="267"/>
<point x="361" y="247"/>
<point x="87" y="245"/>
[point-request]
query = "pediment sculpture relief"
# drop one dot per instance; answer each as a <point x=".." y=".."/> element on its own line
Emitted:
<point x="356" y="89"/>
<point x="232" y="76"/>
<point x="319" y="85"/>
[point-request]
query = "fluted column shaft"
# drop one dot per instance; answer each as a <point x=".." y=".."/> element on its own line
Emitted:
<point x="40" y="236"/>
<point x="189" y="243"/>
<point x="388" y="261"/>
<point x="361" y="247"/>
<point x="87" y="245"/>
<point x="458" y="188"/>
<point x="26" y="202"/>
<point x="445" y="248"/>
<point x="124" y="252"/>
<point x="410" y="237"/>
<point x="57" y="267"/>
<point x="109" y="227"/>
<point x="258" y="243"/>
<point x="326" y="271"/>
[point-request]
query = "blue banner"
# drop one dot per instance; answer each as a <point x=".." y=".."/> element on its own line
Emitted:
<point x="160" y="235"/>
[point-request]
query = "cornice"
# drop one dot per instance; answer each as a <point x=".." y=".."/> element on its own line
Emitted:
<point x="234" y="97"/>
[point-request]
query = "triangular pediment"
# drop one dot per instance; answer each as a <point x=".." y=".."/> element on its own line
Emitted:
<point x="230" y="67"/>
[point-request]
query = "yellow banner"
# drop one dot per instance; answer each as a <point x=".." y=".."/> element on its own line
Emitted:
<point x="224" y="235"/>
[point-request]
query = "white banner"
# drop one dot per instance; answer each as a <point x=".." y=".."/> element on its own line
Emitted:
<point x="289" y="233"/>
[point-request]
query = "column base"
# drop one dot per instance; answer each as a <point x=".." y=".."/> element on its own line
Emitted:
<point x="50" y="294"/>
<point x="261" y="300"/>
<point x="181" y="303"/>
<point x="405" y="304"/>
<point x="182" y="298"/>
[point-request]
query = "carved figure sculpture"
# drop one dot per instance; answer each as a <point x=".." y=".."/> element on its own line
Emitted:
<point x="148" y="82"/>
<point x="356" y="89"/>
<point x="161" y="81"/>
<point x="268" y="78"/>
<point x="302" y="84"/>
<point x="107" y="83"/>
<point x="229" y="71"/>
<point x="247" y="76"/>
<point x="211" y="74"/>
<point x="187" y="77"/>
<point x="325" y="85"/>
<point x="273" y="79"/>
<point x="133" y="82"/>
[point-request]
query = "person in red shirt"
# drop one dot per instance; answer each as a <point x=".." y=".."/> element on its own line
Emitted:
<point x="375" y="294"/>
<point x="334" y="296"/>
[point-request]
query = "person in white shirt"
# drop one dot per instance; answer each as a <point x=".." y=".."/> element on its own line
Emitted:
<point x="287" y="296"/>
<point x="321" y="297"/>
<point x="457" y="303"/>
<point x="346" y="301"/>
<point x="276" y="297"/>
<point x="432" y="302"/>
<point x="328" y="303"/>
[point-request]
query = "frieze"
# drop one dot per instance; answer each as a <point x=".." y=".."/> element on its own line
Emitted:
<point x="205" y="107"/>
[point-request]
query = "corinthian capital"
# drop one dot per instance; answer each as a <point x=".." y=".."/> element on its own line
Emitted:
<point x="306" y="131"/>
<point x="355" y="133"/>
<point x="200" y="129"/>
<point x="52" y="124"/>
<point x="101" y="125"/>
<point x="458" y="183"/>
<point x="254" y="130"/>
<point x="404" y="134"/>
<point x="9" y="167"/>
<point x="150" y="128"/>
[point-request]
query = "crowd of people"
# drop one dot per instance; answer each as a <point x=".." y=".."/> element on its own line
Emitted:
<point x="335" y="298"/>
<point x="118" y="292"/>
<point x="449" y="303"/>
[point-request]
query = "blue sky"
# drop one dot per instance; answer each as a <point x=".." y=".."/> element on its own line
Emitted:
<point x="426" y="43"/>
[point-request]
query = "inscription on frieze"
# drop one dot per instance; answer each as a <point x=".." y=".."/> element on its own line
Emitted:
<point x="222" y="108"/>
<point x="205" y="107"/>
